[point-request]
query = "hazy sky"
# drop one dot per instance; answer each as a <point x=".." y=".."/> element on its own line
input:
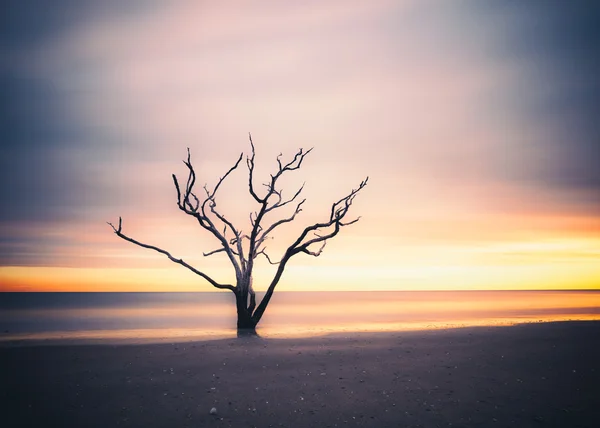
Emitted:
<point x="476" y="120"/>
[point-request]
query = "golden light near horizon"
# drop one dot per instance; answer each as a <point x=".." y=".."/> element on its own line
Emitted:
<point x="479" y="157"/>
<point x="510" y="266"/>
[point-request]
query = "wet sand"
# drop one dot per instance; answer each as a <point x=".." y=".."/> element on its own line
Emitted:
<point x="531" y="375"/>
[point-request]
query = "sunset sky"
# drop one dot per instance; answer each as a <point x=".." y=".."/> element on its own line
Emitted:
<point x="477" y="122"/>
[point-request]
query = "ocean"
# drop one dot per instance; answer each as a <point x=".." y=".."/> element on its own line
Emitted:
<point x="143" y="317"/>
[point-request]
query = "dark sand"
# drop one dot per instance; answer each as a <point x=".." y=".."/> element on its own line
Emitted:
<point x="536" y="375"/>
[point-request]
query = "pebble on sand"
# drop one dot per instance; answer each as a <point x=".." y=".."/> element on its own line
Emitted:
<point x="213" y="411"/>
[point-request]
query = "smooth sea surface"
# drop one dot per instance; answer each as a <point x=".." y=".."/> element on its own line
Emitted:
<point x="142" y="317"/>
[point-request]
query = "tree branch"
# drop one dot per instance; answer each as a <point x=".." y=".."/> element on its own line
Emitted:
<point x="120" y="234"/>
<point x="250" y="163"/>
<point x="280" y="204"/>
<point x="211" y="195"/>
<point x="264" y="235"/>
<point x="198" y="211"/>
<point x="315" y="253"/>
<point x="264" y="253"/>
<point x="210" y="253"/>
<point x="339" y="210"/>
<point x="292" y="165"/>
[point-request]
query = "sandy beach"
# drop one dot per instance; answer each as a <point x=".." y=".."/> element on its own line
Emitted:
<point x="528" y="375"/>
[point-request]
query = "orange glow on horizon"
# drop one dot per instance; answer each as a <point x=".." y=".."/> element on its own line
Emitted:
<point x="550" y="264"/>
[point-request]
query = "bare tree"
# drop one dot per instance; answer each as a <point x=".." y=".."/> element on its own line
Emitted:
<point x="243" y="249"/>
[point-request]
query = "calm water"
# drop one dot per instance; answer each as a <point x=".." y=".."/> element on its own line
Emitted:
<point x="172" y="316"/>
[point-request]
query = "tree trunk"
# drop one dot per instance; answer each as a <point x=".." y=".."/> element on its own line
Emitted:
<point x="244" y="321"/>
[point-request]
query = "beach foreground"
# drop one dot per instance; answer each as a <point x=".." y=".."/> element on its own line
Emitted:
<point x="543" y="375"/>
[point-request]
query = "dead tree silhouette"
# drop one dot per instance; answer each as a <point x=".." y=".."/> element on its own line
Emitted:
<point x="243" y="249"/>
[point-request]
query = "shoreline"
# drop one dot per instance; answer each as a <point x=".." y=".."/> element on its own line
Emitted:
<point x="536" y="374"/>
<point x="180" y="335"/>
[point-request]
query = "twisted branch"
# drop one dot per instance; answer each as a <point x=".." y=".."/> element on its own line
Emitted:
<point x="198" y="211"/>
<point x="120" y="234"/>
<point x="339" y="210"/>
